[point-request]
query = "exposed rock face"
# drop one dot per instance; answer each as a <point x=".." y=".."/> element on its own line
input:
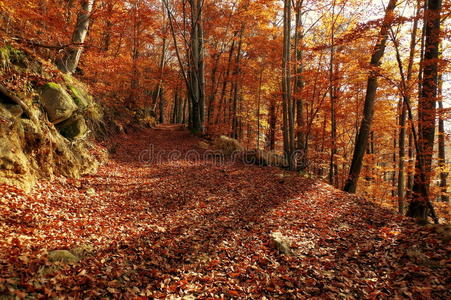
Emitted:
<point x="57" y="103"/>
<point x="73" y="128"/>
<point x="34" y="144"/>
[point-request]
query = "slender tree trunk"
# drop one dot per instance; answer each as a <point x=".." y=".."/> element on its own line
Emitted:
<point x="236" y="73"/>
<point x="402" y="143"/>
<point x="196" y="68"/>
<point x="299" y="86"/>
<point x="332" y="89"/>
<point x="134" y="84"/>
<point x="272" y="124"/>
<point x="405" y="104"/>
<point x="108" y="28"/>
<point x="287" y="101"/>
<point x="410" y="167"/>
<point x="224" y="84"/>
<point x="258" y="108"/>
<point x="420" y="206"/>
<point x="162" y="106"/>
<point x="368" y="109"/>
<point x="441" y="146"/>
<point x="69" y="63"/>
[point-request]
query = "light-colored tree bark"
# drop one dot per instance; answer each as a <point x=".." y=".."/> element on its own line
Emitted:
<point x="69" y="63"/>
<point x="441" y="146"/>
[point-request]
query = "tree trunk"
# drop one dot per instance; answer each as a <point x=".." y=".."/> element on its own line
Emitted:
<point x="272" y="124"/>
<point x="287" y="101"/>
<point x="368" y="109"/>
<point x="420" y="206"/>
<point x="162" y="106"/>
<point x="299" y="86"/>
<point x="258" y="108"/>
<point x="196" y="68"/>
<point x="69" y="63"/>
<point x="332" y="93"/>
<point x="224" y="84"/>
<point x="441" y="147"/>
<point x="405" y="105"/>
<point x="235" y="85"/>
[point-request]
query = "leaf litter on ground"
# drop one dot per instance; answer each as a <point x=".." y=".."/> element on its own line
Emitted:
<point x="184" y="227"/>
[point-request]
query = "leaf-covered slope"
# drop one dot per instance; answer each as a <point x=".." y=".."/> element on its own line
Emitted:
<point x="192" y="227"/>
<point x="47" y="119"/>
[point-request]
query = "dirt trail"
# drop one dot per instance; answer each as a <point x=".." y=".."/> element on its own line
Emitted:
<point x="163" y="221"/>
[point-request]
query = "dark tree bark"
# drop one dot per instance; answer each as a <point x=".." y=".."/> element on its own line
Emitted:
<point x="301" y="143"/>
<point x="287" y="99"/>
<point x="222" y="106"/>
<point x="235" y="88"/>
<point x="420" y="206"/>
<point x="368" y="109"/>
<point x="272" y="124"/>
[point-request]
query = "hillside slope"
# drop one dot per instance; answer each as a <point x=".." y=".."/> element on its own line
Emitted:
<point x="48" y="121"/>
<point x="159" y="220"/>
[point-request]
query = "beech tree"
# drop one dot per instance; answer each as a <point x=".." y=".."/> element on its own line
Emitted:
<point x="368" y="111"/>
<point x="69" y="63"/>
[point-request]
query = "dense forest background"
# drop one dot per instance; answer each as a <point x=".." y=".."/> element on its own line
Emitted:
<point x="290" y="76"/>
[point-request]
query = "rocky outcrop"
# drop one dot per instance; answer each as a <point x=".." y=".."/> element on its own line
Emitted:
<point x="57" y="103"/>
<point x="45" y="129"/>
<point x="73" y="128"/>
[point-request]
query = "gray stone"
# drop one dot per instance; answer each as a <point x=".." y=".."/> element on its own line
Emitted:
<point x="57" y="103"/>
<point x="73" y="128"/>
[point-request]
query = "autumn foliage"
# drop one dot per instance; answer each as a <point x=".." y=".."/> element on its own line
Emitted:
<point x="330" y="86"/>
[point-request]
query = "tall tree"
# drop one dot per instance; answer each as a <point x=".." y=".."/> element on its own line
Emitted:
<point x="298" y="87"/>
<point x="368" y="109"/>
<point x="441" y="145"/>
<point x="420" y="206"/>
<point x="196" y="67"/>
<point x="405" y="106"/>
<point x="69" y="63"/>
<point x="287" y="100"/>
<point x="193" y="73"/>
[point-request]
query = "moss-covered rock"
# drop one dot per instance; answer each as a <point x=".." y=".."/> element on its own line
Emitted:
<point x="10" y="55"/>
<point x="63" y="256"/>
<point x="31" y="147"/>
<point x="80" y="100"/>
<point x="226" y="145"/>
<point x="57" y="103"/>
<point x="73" y="128"/>
<point x="4" y="57"/>
<point x="78" y="91"/>
<point x="18" y="57"/>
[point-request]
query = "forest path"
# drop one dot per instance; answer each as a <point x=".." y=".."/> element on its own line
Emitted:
<point x="161" y="221"/>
